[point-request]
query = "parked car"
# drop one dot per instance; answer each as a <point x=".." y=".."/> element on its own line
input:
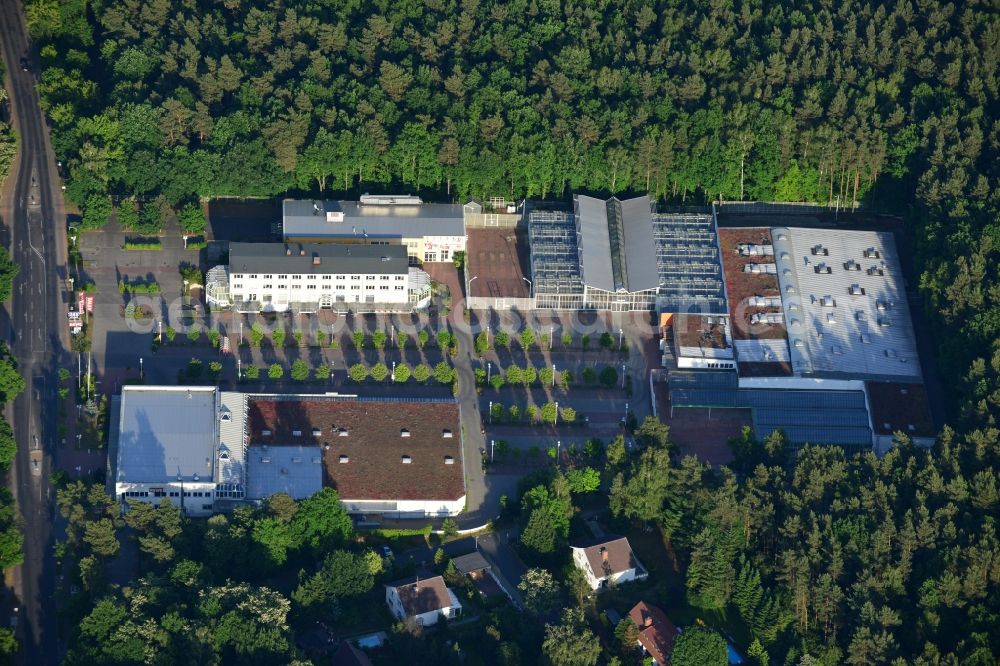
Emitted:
<point x="25" y="64"/>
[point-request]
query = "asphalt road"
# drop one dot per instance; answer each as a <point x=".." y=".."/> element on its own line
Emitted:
<point x="34" y="230"/>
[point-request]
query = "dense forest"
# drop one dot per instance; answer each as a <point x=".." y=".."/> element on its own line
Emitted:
<point x="827" y="558"/>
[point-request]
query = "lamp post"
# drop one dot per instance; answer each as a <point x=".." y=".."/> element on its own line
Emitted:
<point x="529" y="284"/>
<point x="621" y="333"/>
<point x="625" y="420"/>
<point x="239" y="368"/>
<point x="393" y="372"/>
<point x="185" y="287"/>
<point x="489" y="371"/>
<point x="492" y="442"/>
<point x="140" y="367"/>
<point x="553" y="375"/>
<point x="557" y="415"/>
<point x="623" y="376"/>
<point x="558" y="449"/>
<point x="491" y="412"/>
<point x="552" y="335"/>
<point x="241" y="332"/>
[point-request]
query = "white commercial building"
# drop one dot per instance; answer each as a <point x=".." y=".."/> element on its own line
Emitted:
<point x="844" y="304"/>
<point x="277" y="277"/>
<point x="175" y="443"/>
<point x="429" y="231"/>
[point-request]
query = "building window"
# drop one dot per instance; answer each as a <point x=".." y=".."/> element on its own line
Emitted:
<point x="384" y="287"/>
<point x="268" y="277"/>
<point x="282" y="277"/>
<point x="355" y="277"/>
<point x="282" y="286"/>
<point x="327" y="277"/>
<point x="355" y="287"/>
<point x="384" y="277"/>
<point x="369" y="287"/>
<point x="252" y="297"/>
<point x="267" y="286"/>
<point x="400" y="277"/>
<point x="310" y="286"/>
<point x="430" y="256"/>
<point x="369" y="277"/>
<point x="444" y="255"/>
<point x="237" y="276"/>
<point x="400" y="287"/>
<point x="340" y="277"/>
<point x="253" y="277"/>
<point x="341" y="287"/>
<point x="237" y="286"/>
<point x="310" y="277"/>
<point x="296" y="277"/>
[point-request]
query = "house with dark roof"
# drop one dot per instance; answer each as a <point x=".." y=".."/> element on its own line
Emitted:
<point x="656" y="632"/>
<point x="422" y="600"/>
<point x="607" y="562"/>
<point x="348" y="655"/>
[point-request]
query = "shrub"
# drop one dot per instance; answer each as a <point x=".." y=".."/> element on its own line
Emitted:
<point x="482" y="343"/>
<point x="378" y="339"/>
<point x="422" y="338"/>
<point x="549" y="412"/>
<point x="251" y="372"/>
<point x="609" y="376"/>
<point x="565" y="379"/>
<point x="527" y="338"/>
<point x="359" y="339"/>
<point x="401" y="339"/>
<point x="171" y="333"/>
<point x="421" y="373"/>
<point x="443" y="373"/>
<point x="300" y="370"/>
<point x="585" y="342"/>
<point x="567" y="414"/>
<point x="502" y="339"/>
<point x="606" y="341"/>
<point x="213" y="338"/>
<point x="358" y="372"/>
<point x="532" y="413"/>
<point x="496" y="411"/>
<point x="214" y="368"/>
<point x="298" y="338"/>
<point x="194" y="368"/>
<point x="321" y="338"/>
<point x="480" y="376"/>
<point x="194" y="334"/>
<point x="192" y="219"/>
<point x="567" y="339"/>
<point x="128" y="214"/>
<point x="514" y="413"/>
<point x="589" y="376"/>
<point x="143" y="245"/>
<point x="96" y="212"/>
<point x="276" y="371"/>
<point x="514" y="375"/>
<point x="545" y="376"/>
<point x="496" y="381"/>
<point x="278" y="336"/>
<point x="322" y="371"/>
<point x="530" y="375"/>
<point x="379" y="372"/>
<point x="444" y="339"/>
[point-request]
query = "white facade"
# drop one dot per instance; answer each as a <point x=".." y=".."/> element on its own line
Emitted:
<point x="428" y="618"/>
<point x="276" y="292"/>
<point x="406" y="508"/>
<point x="598" y="582"/>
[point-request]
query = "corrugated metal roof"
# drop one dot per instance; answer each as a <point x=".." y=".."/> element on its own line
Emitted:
<point x="594" y="242"/>
<point x="640" y="245"/>
<point x="294" y="470"/>
<point x="232" y="450"/>
<point x="167" y="434"/>
<point x="289" y="258"/>
<point x="308" y="219"/>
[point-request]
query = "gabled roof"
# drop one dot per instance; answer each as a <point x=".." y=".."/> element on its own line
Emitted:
<point x="617" y="247"/>
<point x="471" y="563"/>
<point x="422" y="595"/>
<point x="611" y="557"/>
<point x="656" y="631"/>
<point x="348" y="655"/>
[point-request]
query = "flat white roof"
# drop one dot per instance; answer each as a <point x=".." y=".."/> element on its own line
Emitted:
<point x="167" y="433"/>
<point x="845" y="306"/>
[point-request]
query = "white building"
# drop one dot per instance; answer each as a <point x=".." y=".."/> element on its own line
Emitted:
<point x="608" y="562"/>
<point x="429" y="232"/>
<point x="276" y="277"/>
<point x="844" y="305"/>
<point x="176" y="443"/>
<point x="422" y="600"/>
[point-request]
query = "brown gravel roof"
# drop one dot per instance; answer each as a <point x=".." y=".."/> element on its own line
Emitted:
<point x="898" y="407"/>
<point x="373" y="443"/>
<point x="740" y="286"/>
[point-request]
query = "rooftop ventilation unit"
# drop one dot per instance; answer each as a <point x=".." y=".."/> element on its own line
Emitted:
<point x="316" y="432"/>
<point x="876" y="270"/>
<point x="296" y="459"/>
<point x="446" y="433"/>
<point x="827" y="302"/>
<point x="822" y="268"/>
<point x="343" y="459"/>
<point x="819" y="250"/>
<point x="856" y="290"/>
<point x="872" y="253"/>
<point x="403" y="432"/>
<point x="851" y="265"/>
<point x="342" y="432"/>
<point x="265" y="433"/>
<point x="265" y="459"/>
<point x="449" y="460"/>
<point x="296" y="433"/>
<point x="406" y="460"/>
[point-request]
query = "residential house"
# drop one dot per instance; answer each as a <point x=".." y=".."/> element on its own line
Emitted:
<point x="423" y="600"/>
<point x="608" y="562"/>
<point x="656" y="632"/>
